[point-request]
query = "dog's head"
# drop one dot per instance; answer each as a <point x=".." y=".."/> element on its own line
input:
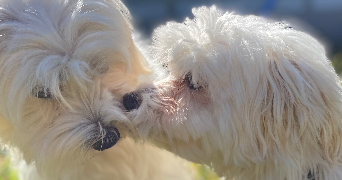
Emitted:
<point x="63" y="66"/>
<point x="239" y="90"/>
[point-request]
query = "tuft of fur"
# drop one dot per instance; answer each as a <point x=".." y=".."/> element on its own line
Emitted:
<point x="64" y="65"/>
<point x="253" y="98"/>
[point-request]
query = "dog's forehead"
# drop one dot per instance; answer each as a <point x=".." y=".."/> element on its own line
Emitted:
<point x="213" y="42"/>
<point x="48" y="43"/>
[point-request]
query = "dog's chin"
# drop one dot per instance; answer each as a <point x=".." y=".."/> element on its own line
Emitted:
<point x="58" y="138"/>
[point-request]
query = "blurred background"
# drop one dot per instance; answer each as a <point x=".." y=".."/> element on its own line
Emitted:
<point x="320" y="18"/>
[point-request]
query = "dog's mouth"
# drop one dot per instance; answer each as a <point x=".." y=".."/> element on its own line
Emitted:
<point x="107" y="138"/>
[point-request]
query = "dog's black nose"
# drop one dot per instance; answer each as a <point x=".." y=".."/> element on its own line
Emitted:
<point x="111" y="137"/>
<point x="132" y="101"/>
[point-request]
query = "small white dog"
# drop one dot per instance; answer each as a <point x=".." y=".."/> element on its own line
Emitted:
<point x="64" y="64"/>
<point x="254" y="99"/>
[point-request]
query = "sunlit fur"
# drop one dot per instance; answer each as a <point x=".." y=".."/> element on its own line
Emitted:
<point x="82" y="53"/>
<point x="265" y="102"/>
<point x="127" y="160"/>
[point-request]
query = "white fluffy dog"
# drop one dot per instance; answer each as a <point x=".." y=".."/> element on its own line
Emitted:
<point x="254" y="99"/>
<point x="64" y="64"/>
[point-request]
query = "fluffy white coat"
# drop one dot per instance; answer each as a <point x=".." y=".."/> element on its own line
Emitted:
<point x="253" y="98"/>
<point x="64" y="65"/>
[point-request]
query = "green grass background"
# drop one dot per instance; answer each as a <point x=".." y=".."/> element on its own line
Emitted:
<point x="6" y="172"/>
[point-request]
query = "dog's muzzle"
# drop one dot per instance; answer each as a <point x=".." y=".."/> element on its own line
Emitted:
<point x="132" y="101"/>
<point x="110" y="137"/>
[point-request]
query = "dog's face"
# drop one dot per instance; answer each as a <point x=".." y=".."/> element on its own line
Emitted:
<point x="241" y="92"/>
<point x="63" y="67"/>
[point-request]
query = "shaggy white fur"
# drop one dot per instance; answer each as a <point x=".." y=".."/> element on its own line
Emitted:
<point x="64" y="64"/>
<point x="253" y="98"/>
<point x="127" y="160"/>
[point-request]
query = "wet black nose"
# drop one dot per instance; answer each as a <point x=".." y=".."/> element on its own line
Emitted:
<point x="111" y="137"/>
<point x="132" y="101"/>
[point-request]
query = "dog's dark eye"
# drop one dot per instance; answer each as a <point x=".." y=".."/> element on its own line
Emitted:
<point x="190" y="84"/>
<point x="40" y="92"/>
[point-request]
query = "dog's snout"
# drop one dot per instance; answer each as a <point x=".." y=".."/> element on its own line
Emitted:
<point x="108" y="139"/>
<point x="132" y="100"/>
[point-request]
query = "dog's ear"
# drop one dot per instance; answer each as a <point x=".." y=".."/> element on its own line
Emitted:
<point x="297" y="97"/>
